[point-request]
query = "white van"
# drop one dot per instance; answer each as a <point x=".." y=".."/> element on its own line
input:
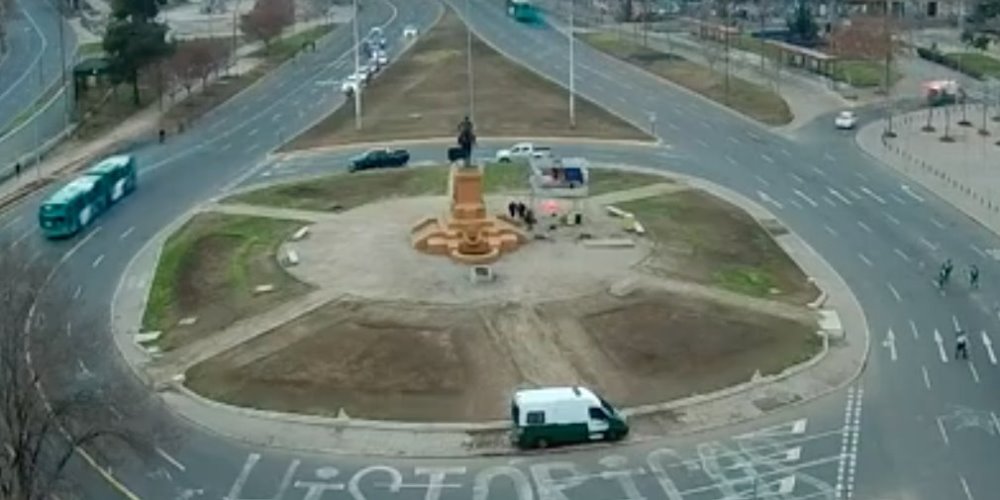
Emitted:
<point x="563" y="415"/>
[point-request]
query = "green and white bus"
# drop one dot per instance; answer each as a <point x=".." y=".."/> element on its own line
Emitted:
<point x="75" y="205"/>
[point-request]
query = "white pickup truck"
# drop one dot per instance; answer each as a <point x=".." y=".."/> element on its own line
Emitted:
<point x="521" y="151"/>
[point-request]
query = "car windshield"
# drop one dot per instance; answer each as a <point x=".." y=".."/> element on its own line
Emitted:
<point x="846" y="114"/>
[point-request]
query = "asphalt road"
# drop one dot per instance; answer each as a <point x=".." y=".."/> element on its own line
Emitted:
<point x="32" y="64"/>
<point x="917" y="425"/>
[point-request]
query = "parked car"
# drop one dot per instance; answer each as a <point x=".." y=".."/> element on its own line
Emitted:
<point x="381" y="58"/>
<point x="521" y="151"/>
<point x="845" y="120"/>
<point x="350" y="84"/>
<point x="410" y="31"/>
<point x="563" y="415"/>
<point x="379" y="158"/>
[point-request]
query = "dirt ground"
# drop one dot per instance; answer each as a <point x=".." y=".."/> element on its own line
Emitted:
<point x="746" y="97"/>
<point x="704" y="239"/>
<point x="405" y="361"/>
<point x="208" y="270"/>
<point x="424" y="94"/>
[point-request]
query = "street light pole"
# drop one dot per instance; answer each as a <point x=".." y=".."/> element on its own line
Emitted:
<point x="572" y="66"/>
<point x="888" y="70"/>
<point x="468" y="56"/>
<point x="357" y="71"/>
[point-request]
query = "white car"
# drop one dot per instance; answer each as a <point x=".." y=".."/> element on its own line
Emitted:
<point x="845" y="120"/>
<point x="381" y="58"/>
<point x="410" y="31"/>
<point x="521" y="151"/>
<point x="351" y="83"/>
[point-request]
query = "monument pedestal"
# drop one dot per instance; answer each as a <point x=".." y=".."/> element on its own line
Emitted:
<point x="467" y="235"/>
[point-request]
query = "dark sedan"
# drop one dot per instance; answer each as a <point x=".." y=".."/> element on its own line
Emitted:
<point x="380" y="158"/>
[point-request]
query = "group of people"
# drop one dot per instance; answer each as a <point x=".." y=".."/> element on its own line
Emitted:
<point x="944" y="274"/>
<point x="518" y="210"/>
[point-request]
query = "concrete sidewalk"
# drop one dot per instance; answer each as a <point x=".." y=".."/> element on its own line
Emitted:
<point x="841" y="361"/>
<point x="963" y="172"/>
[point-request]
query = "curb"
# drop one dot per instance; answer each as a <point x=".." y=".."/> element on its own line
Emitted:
<point x="338" y="424"/>
<point x="322" y="150"/>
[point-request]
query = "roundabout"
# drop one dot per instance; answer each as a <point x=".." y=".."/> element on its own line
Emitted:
<point x="925" y="420"/>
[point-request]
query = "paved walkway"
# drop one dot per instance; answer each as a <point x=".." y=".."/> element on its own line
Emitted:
<point x="963" y="172"/>
<point x="841" y="361"/>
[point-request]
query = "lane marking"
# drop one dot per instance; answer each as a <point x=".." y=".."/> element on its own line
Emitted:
<point x="762" y="180"/>
<point x="892" y="219"/>
<point x="805" y="198"/>
<point x="988" y="345"/>
<point x="955" y="323"/>
<point x="930" y="245"/>
<point x="861" y="176"/>
<point x="829" y="157"/>
<point x="72" y="251"/>
<point x="864" y="226"/>
<point x="828" y="201"/>
<point x="913" y="328"/>
<point x="937" y="223"/>
<point x="975" y="374"/>
<point x="890" y="343"/>
<point x="830" y="230"/>
<point x="69" y="329"/>
<point x="818" y="171"/>
<point x="901" y="254"/>
<point x="733" y="139"/>
<point x="253" y="132"/>
<point x="836" y="194"/>
<point x="97" y="261"/>
<point x="894" y="292"/>
<point x="906" y="189"/>
<point x="865" y="259"/>
<point x="702" y="142"/>
<point x="731" y="160"/>
<point x="965" y="487"/>
<point x="996" y="421"/>
<point x="764" y="197"/>
<point x="796" y="204"/>
<point x="78" y="292"/>
<point x="173" y="461"/>
<point x="976" y="249"/>
<point x="10" y="223"/>
<point x="896" y="197"/>
<point x="767" y="158"/>
<point x="927" y="378"/>
<point x="944" y="433"/>
<point x="226" y="146"/>
<point x="126" y="233"/>
<point x="870" y="193"/>
<point x="853" y="194"/>
<point x="797" y="178"/>
<point x="940" y="344"/>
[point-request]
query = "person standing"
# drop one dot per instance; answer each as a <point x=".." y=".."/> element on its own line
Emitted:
<point x="973" y="276"/>
<point x="961" y="345"/>
<point x="17" y="170"/>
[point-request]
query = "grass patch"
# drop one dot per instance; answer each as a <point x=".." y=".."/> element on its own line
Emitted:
<point x="703" y="239"/>
<point x="746" y="97"/>
<point x="288" y="46"/>
<point x="975" y="63"/>
<point x="424" y="94"/>
<point x="860" y="73"/>
<point x="209" y="269"/>
<point x="606" y="180"/>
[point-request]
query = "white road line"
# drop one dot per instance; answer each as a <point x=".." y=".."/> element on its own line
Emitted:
<point x="955" y="323"/>
<point x="21" y="238"/>
<point x="988" y="345"/>
<point x="731" y="160"/>
<point x="830" y="230"/>
<point x="940" y="345"/>
<point x="975" y="374"/>
<point x="890" y="343"/>
<point x="767" y="158"/>
<point x="702" y="142"/>
<point x="10" y="223"/>
<point x="892" y="219"/>
<point x="864" y="226"/>
<point x="253" y="132"/>
<point x="828" y="201"/>
<point x="276" y="117"/>
<point x="733" y="139"/>
<point x="913" y="328"/>
<point x="896" y="197"/>
<point x="976" y="249"/>
<point x="762" y="180"/>
<point x="996" y="421"/>
<point x="114" y="411"/>
<point x="126" y="233"/>
<point x="226" y="146"/>
<point x="796" y="204"/>
<point x="927" y="378"/>
<point x="797" y="178"/>
<point x="78" y="292"/>
<point x="965" y="487"/>
<point x="173" y="461"/>
<point x="853" y="194"/>
<point x="786" y="153"/>
<point x="930" y="245"/>
<point x="673" y="126"/>
<point x="906" y="189"/>
<point x="901" y="254"/>
<point x="69" y="329"/>
<point x="861" y="176"/>
<point x="937" y="223"/>
<point x="829" y="157"/>
<point x="836" y="194"/>
<point x="97" y="261"/>
<point x="805" y="198"/>
<point x="944" y="433"/>
<point x="895" y="294"/>
<point x="869" y="192"/>
<point x="865" y="259"/>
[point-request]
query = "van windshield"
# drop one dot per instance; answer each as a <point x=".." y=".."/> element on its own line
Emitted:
<point x="608" y="408"/>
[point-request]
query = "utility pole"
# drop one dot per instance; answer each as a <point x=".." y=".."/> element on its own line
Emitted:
<point x="468" y="54"/>
<point x="572" y="66"/>
<point x="725" y="33"/>
<point x="59" y="4"/>
<point x="888" y="69"/>
<point x="358" y="84"/>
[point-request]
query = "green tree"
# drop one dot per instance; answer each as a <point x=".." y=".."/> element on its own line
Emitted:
<point x="801" y="25"/>
<point x="134" y="40"/>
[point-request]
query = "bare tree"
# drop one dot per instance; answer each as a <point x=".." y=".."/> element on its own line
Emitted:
<point x="40" y="434"/>
<point x="268" y="19"/>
